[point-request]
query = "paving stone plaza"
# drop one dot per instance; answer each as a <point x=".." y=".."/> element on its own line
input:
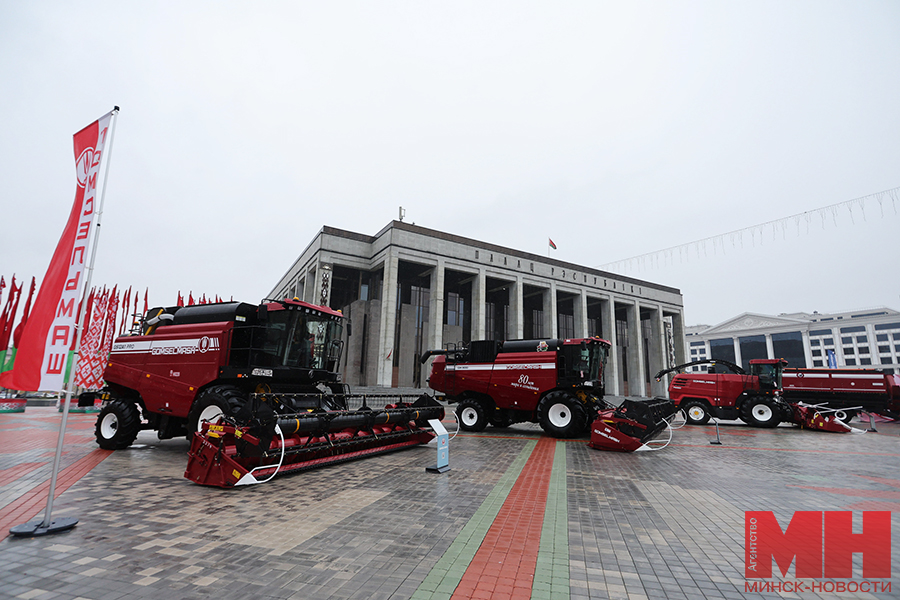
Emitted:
<point x="519" y="515"/>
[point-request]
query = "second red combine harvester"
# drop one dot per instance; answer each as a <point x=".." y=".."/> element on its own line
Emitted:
<point x="557" y="383"/>
<point x="726" y="391"/>
<point x="255" y="389"/>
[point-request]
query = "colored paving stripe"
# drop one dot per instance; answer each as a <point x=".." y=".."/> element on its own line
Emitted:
<point x="503" y="568"/>
<point x="20" y="470"/>
<point x="44" y="439"/>
<point x="32" y="502"/>
<point x="446" y="574"/>
<point x="551" y="575"/>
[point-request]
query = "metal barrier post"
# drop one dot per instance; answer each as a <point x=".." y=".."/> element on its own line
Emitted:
<point x="718" y="441"/>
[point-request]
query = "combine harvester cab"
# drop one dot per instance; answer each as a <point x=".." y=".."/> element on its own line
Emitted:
<point x="233" y="374"/>
<point x="557" y="383"/>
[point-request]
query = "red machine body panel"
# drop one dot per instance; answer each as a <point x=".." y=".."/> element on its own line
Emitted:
<point x="517" y="378"/>
<point x="514" y="380"/>
<point x="869" y="388"/>
<point x="169" y="366"/>
<point x="719" y="389"/>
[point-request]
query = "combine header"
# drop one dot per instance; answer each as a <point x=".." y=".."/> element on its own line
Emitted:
<point x="632" y="425"/>
<point x="254" y="388"/>
<point x="227" y="454"/>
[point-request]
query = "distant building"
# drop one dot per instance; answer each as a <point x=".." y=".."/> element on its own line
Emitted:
<point x="864" y="338"/>
<point x="443" y="289"/>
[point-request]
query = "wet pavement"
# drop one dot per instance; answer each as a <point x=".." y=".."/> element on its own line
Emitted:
<point x="518" y="516"/>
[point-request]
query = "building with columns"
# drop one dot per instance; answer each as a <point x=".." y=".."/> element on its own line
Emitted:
<point x="408" y="289"/>
<point x="865" y="338"/>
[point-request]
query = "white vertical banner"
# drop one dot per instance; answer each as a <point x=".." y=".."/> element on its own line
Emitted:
<point x="50" y="331"/>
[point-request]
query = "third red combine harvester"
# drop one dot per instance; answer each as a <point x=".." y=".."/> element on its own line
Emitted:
<point x="557" y="383"/>
<point x="254" y="387"/>
<point x="726" y="391"/>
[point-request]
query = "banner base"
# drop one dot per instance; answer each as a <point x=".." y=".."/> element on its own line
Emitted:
<point x="16" y="405"/>
<point x="36" y="527"/>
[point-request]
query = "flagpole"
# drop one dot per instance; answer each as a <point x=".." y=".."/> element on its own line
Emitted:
<point x="69" y="522"/>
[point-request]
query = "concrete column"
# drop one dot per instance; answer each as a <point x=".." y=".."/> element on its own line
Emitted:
<point x="309" y="290"/>
<point x="608" y="332"/>
<point x="479" y="297"/>
<point x="737" y="350"/>
<point x="657" y="353"/>
<point x="516" y="310"/>
<point x="580" y="312"/>
<point x="838" y="348"/>
<point x="807" y="349"/>
<point x="678" y="329"/>
<point x="436" y="309"/>
<point x="770" y="349"/>
<point x="550" y="325"/>
<point x="388" y="321"/>
<point x="873" y="346"/>
<point x="636" y="374"/>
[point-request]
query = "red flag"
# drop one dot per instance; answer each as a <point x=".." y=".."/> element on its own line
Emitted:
<point x="180" y="301"/>
<point x="9" y="314"/>
<point x="190" y="299"/>
<point x="41" y="359"/>
<point x="552" y="245"/>
<point x="17" y="335"/>
<point x="134" y="315"/>
<point x="126" y="304"/>
<point x="146" y="306"/>
<point x="2" y="285"/>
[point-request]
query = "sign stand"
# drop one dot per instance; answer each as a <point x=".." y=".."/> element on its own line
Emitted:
<point x="443" y="448"/>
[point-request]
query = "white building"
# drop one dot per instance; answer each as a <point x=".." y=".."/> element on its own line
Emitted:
<point x="444" y="289"/>
<point x="865" y="338"/>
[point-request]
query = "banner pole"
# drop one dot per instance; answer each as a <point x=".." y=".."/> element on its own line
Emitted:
<point x="69" y="522"/>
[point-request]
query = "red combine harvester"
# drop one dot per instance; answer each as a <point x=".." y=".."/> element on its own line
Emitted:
<point x="557" y="383"/>
<point x="250" y="386"/>
<point x="757" y="398"/>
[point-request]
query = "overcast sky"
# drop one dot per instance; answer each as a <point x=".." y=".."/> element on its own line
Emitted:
<point x="614" y="128"/>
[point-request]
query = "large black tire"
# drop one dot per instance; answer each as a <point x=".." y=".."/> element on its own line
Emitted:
<point x="696" y="412"/>
<point x="212" y="403"/>
<point x="117" y="425"/>
<point x="471" y="414"/>
<point x="500" y="418"/>
<point x="761" y="412"/>
<point x="561" y="415"/>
